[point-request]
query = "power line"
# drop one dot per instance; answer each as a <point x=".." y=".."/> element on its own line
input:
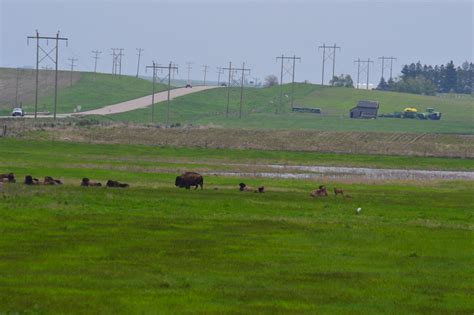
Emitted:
<point x="55" y="61"/>
<point x="383" y="64"/>
<point x="72" y="60"/>
<point x="205" y="70"/>
<point x="139" y="55"/>
<point x="290" y="71"/>
<point x="242" y="70"/>
<point x="365" y="68"/>
<point x="156" y="66"/>
<point x="329" y="56"/>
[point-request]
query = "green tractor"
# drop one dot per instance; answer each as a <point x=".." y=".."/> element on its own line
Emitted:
<point x="430" y="114"/>
<point x="412" y="113"/>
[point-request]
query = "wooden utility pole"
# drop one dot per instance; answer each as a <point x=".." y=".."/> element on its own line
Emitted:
<point x="170" y="68"/>
<point x="47" y="54"/>
<point x="243" y="70"/>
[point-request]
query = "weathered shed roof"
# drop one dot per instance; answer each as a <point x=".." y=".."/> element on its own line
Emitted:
<point x="368" y="104"/>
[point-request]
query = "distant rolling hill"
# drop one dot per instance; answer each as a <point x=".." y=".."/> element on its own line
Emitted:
<point x="87" y="91"/>
<point x="259" y="106"/>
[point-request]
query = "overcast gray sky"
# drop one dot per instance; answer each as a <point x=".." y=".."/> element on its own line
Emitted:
<point x="255" y="32"/>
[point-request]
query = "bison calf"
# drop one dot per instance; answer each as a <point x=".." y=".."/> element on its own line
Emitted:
<point x="188" y="179"/>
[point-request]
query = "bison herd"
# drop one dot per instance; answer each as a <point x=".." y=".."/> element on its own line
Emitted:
<point x="185" y="180"/>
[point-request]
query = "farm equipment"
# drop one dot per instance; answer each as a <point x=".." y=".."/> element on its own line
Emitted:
<point x="412" y="113"/>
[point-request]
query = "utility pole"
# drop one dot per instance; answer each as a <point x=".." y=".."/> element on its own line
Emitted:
<point x="383" y="58"/>
<point x="205" y="69"/>
<point x="47" y="54"/>
<point x="117" y="54"/>
<point x="243" y="70"/>
<point x="170" y="68"/>
<point x="16" y="86"/>
<point x="96" y="57"/>
<point x="365" y="68"/>
<point x="329" y="56"/>
<point x="189" y="67"/>
<point x="358" y="61"/>
<point x="120" y="61"/>
<point x="219" y="72"/>
<point x="228" y="89"/>
<point x="290" y="71"/>
<point x="139" y="55"/>
<point x="72" y="60"/>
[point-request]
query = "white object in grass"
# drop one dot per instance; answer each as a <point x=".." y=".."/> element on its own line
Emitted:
<point x="358" y="210"/>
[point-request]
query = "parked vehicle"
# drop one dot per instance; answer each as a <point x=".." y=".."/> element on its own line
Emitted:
<point x="18" y="112"/>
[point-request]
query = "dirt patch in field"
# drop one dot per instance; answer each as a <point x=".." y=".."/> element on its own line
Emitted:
<point x="409" y="144"/>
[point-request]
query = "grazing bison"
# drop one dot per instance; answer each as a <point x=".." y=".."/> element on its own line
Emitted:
<point x="261" y="189"/>
<point x="321" y="192"/>
<point x="31" y="181"/>
<point x="116" y="184"/>
<point x="189" y="179"/>
<point x="338" y="191"/>
<point x="48" y="180"/>
<point x="87" y="183"/>
<point x="10" y="178"/>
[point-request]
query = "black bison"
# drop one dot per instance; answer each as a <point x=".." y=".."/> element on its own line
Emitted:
<point x="243" y="187"/>
<point x="10" y="178"/>
<point x="31" y="181"/>
<point x="116" y="184"/>
<point x="87" y="183"/>
<point x="189" y="179"/>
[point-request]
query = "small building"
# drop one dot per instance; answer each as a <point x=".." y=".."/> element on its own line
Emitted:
<point x="365" y="109"/>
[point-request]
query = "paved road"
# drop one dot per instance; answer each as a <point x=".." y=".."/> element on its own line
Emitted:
<point x="132" y="104"/>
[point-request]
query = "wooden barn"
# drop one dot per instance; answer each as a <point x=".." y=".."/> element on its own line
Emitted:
<point x="365" y="109"/>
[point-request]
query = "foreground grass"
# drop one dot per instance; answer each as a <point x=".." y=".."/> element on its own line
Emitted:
<point x="155" y="248"/>
<point x="209" y="107"/>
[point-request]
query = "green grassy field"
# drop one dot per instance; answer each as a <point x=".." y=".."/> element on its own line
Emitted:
<point x="156" y="248"/>
<point x="90" y="94"/>
<point x="209" y="107"/>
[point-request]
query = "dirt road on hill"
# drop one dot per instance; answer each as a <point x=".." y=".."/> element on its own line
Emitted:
<point x="143" y="101"/>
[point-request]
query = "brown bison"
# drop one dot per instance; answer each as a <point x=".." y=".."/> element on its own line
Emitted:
<point x="86" y="182"/>
<point x="48" y="180"/>
<point x="338" y="191"/>
<point x="116" y="184"/>
<point x="321" y="192"/>
<point x="189" y="179"/>
<point x="10" y="178"/>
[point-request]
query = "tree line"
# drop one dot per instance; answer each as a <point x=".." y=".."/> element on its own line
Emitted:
<point x="429" y="80"/>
